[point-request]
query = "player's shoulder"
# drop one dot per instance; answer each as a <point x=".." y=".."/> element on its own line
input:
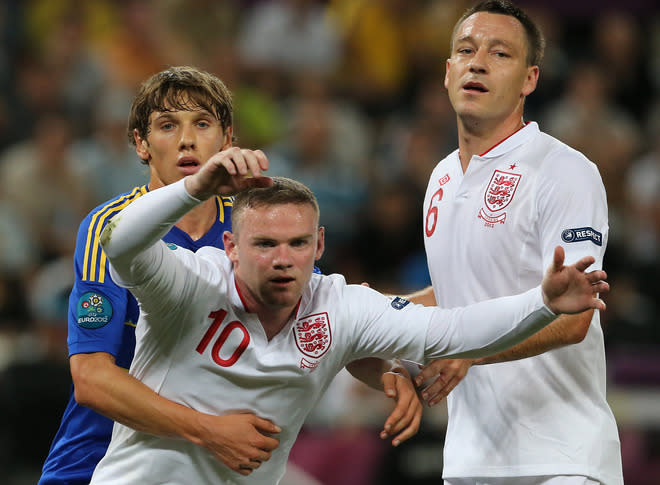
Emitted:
<point x="322" y="287"/>
<point x="560" y="153"/>
<point x="102" y="213"/>
<point x="89" y="230"/>
<point x="336" y="288"/>
<point x="214" y="254"/>
<point x="450" y="158"/>
<point x="212" y="265"/>
<point x="565" y="162"/>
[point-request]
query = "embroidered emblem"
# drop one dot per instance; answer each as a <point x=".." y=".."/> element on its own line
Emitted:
<point x="313" y="335"/>
<point x="444" y="179"/>
<point x="94" y="310"/>
<point x="398" y="303"/>
<point x="498" y="195"/>
<point x="306" y="364"/>
<point x="171" y="246"/>
<point x="582" y="234"/>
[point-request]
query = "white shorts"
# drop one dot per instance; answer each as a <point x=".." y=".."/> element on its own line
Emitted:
<point x="539" y="480"/>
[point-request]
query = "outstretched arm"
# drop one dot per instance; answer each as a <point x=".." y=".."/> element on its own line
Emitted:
<point x="494" y="325"/>
<point x="565" y="330"/>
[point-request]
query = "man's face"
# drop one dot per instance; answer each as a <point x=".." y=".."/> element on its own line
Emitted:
<point x="273" y="253"/>
<point x="179" y="143"/>
<point x="487" y="74"/>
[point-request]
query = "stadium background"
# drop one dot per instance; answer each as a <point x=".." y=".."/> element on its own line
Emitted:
<point x="347" y="96"/>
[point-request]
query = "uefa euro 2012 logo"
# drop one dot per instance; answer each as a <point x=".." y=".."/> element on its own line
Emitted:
<point x="94" y="310"/>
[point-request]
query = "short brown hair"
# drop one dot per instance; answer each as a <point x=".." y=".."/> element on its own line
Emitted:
<point x="535" y="39"/>
<point x="180" y="88"/>
<point x="283" y="191"/>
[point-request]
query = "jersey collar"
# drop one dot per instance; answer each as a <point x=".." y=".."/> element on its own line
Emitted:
<point x="524" y="134"/>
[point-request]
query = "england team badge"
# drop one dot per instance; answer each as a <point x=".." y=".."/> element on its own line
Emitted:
<point x="498" y="195"/>
<point x="313" y="335"/>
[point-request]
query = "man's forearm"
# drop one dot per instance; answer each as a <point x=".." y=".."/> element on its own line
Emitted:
<point x="566" y="330"/>
<point x="371" y="369"/>
<point x="112" y="392"/>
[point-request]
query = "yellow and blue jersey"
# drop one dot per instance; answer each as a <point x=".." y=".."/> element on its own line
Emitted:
<point x="102" y="318"/>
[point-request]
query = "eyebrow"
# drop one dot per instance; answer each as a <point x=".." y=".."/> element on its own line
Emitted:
<point x="294" y="238"/>
<point x="170" y="114"/>
<point x="492" y="42"/>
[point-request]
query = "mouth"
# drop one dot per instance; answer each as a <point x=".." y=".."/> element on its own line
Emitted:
<point x="188" y="165"/>
<point x="188" y="162"/>
<point x="282" y="280"/>
<point x="475" y="87"/>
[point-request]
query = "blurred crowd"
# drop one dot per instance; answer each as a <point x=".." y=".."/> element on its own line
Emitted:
<point x="346" y="96"/>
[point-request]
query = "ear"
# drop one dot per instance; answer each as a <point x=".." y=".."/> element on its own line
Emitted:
<point x="227" y="142"/>
<point x="229" y="240"/>
<point x="141" y="146"/>
<point x="320" y="243"/>
<point x="530" y="81"/>
<point x="447" y="66"/>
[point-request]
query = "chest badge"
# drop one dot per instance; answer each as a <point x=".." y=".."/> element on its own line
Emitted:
<point x="313" y="335"/>
<point x="498" y="195"/>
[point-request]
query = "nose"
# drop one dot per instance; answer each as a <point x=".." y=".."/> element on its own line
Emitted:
<point x="187" y="140"/>
<point x="478" y="62"/>
<point x="282" y="257"/>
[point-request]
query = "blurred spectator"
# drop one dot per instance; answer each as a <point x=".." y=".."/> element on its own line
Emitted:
<point x="374" y="72"/>
<point x="39" y="180"/>
<point x="391" y="216"/>
<point x="58" y="35"/>
<point x="139" y="41"/>
<point x="624" y="59"/>
<point x="282" y="38"/>
<point x="587" y="119"/>
<point x="325" y="146"/>
<point x="635" y="265"/>
<point x="413" y="139"/>
<point x="387" y="44"/>
<point x="642" y="190"/>
<point x="105" y="159"/>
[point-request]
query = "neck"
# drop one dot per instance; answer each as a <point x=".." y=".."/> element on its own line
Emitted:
<point x="197" y="222"/>
<point x="477" y="136"/>
<point x="272" y="318"/>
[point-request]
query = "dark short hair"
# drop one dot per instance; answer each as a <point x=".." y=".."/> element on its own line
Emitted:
<point x="179" y="88"/>
<point x="283" y="191"/>
<point x="535" y="39"/>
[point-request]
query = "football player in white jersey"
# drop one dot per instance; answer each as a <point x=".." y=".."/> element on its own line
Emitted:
<point x="253" y="329"/>
<point x="494" y="211"/>
<point x="179" y="118"/>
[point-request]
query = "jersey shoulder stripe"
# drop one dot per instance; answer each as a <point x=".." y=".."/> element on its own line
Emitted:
<point x="222" y="202"/>
<point x="94" y="261"/>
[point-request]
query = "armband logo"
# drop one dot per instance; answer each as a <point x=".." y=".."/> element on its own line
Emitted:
<point x="398" y="303"/>
<point x="582" y="234"/>
<point x="93" y="310"/>
<point x="171" y="246"/>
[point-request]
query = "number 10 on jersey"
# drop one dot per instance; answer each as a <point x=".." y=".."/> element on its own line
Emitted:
<point x="218" y="317"/>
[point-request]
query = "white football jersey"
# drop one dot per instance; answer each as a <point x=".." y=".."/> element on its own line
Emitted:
<point x="196" y="344"/>
<point x="491" y="232"/>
